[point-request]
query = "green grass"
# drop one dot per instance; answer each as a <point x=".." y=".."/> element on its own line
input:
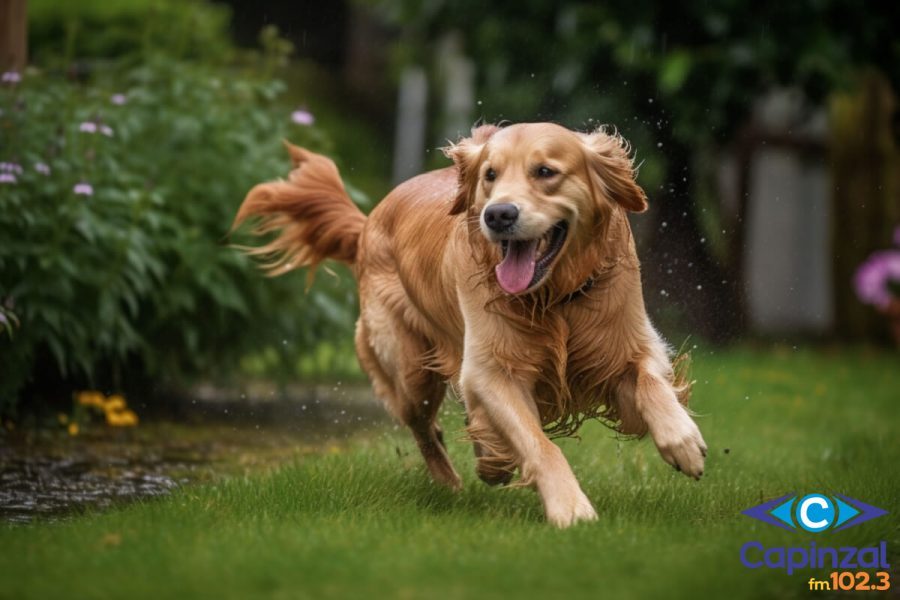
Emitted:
<point x="367" y="523"/>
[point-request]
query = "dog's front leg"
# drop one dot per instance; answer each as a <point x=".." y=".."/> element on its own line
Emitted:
<point x="511" y="411"/>
<point x="677" y="437"/>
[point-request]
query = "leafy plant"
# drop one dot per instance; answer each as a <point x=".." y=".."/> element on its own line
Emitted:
<point x="116" y="197"/>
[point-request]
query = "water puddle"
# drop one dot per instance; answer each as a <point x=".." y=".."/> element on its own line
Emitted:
<point x="47" y="474"/>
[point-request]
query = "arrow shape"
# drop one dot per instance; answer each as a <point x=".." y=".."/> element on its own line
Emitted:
<point x="867" y="512"/>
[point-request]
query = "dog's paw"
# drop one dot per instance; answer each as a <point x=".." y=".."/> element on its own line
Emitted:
<point x="492" y="473"/>
<point x="681" y="445"/>
<point x="567" y="510"/>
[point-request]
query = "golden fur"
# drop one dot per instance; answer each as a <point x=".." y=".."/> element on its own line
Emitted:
<point x="577" y="344"/>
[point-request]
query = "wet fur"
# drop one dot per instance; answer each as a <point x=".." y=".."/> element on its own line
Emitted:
<point x="432" y="311"/>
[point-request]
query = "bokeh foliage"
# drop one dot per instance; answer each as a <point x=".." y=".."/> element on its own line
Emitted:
<point x="680" y="80"/>
<point x="138" y="280"/>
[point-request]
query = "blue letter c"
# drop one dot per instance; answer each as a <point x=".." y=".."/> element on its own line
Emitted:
<point x="744" y="560"/>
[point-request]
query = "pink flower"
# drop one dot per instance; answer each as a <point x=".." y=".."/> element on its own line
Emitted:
<point x="83" y="189"/>
<point x="302" y="117"/>
<point x="118" y="99"/>
<point x="875" y="278"/>
<point x="11" y="167"/>
<point x="11" y="77"/>
<point x="7" y="178"/>
<point x="88" y="127"/>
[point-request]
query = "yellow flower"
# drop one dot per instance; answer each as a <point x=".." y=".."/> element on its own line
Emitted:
<point x="121" y="418"/>
<point x="114" y="404"/>
<point x="90" y="399"/>
<point x="73" y="428"/>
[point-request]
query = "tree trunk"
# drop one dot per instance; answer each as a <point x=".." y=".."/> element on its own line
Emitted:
<point x="13" y="35"/>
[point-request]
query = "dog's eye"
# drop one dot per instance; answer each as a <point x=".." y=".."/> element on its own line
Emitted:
<point x="490" y="175"/>
<point x="545" y="172"/>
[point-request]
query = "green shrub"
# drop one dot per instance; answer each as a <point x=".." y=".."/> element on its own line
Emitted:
<point x="115" y="207"/>
<point x="61" y="31"/>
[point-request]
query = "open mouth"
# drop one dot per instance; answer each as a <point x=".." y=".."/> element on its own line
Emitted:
<point x="526" y="262"/>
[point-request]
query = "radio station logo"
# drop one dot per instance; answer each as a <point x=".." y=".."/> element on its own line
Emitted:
<point x="814" y="513"/>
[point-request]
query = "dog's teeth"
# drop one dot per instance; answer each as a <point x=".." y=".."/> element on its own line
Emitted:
<point x="544" y="244"/>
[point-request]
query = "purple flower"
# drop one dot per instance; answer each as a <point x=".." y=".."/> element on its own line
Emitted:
<point x="7" y="178"/>
<point x="10" y="167"/>
<point x="875" y="277"/>
<point x="42" y="168"/>
<point x="83" y="189"/>
<point x="88" y="127"/>
<point x="118" y="99"/>
<point x="11" y="77"/>
<point x="106" y="130"/>
<point x="302" y="117"/>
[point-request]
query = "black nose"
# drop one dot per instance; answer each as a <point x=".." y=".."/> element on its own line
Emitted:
<point x="500" y="217"/>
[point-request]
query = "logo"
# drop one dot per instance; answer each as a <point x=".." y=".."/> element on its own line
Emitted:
<point x="814" y="513"/>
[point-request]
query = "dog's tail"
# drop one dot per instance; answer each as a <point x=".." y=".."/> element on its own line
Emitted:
<point x="311" y="213"/>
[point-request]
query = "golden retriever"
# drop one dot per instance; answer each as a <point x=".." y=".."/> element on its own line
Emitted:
<point x="513" y="276"/>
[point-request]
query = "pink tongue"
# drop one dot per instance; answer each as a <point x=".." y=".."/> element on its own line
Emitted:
<point x="517" y="269"/>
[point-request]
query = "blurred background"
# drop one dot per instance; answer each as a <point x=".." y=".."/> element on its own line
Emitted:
<point x="130" y="131"/>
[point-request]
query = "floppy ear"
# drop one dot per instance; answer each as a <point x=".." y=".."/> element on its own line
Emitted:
<point x="612" y="168"/>
<point x="466" y="154"/>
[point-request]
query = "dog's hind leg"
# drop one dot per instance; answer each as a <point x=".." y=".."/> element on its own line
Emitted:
<point x="411" y="393"/>
<point x="495" y="463"/>
<point x="420" y="418"/>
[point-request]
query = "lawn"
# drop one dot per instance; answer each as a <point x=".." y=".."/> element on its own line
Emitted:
<point x="366" y="522"/>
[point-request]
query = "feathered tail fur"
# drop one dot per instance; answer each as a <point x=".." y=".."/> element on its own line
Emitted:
<point x="311" y="212"/>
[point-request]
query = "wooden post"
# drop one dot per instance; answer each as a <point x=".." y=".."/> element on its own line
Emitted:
<point x="13" y="35"/>
<point x="409" y="137"/>
<point x="865" y="170"/>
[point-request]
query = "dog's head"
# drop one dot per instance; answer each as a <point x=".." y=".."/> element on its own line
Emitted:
<point x="541" y="193"/>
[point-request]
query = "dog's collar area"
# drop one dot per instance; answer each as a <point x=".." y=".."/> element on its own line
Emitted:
<point x="585" y="288"/>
